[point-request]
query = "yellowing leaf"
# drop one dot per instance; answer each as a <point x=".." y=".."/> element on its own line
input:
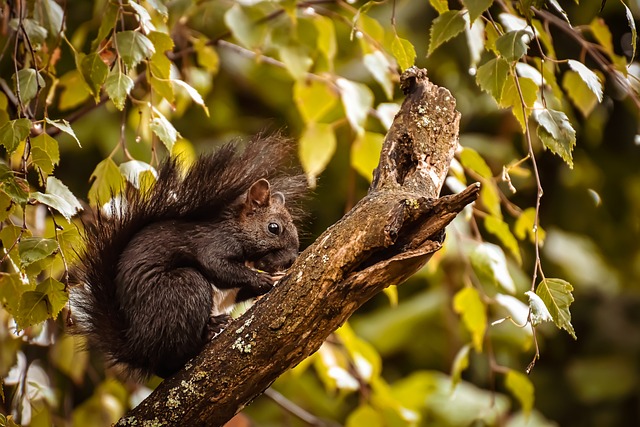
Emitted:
<point x="326" y="40"/>
<point x="207" y="56"/>
<point x="590" y="78"/>
<point x="33" y="249"/>
<point x="469" y="305"/>
<point x="242" y="24"/>
<point x="315" y="148"/>
<point x="365" y="415"/>
<point x="63" y="126"/>
<point x="446" y="26"/>
<point x="581" y="96"/>
<point x="539" y="311"/>
<point x="556" y="294"/>
<point x="107" y="182"/>
<point x="472" y="160"/>
<point x="460" y="363"/>
<point x="314" y="99"/>
<point x="500" y="229"/>
<point x="521" y="387"/>
<point x="33" y="309"/>
<point x="193" y="94"/>
<point x="365" y="153"/>
<point x="440" y="5"/>
<point x="164" y="129"/>
<point x="524" y="226"/>
<point x="556" y="133"/>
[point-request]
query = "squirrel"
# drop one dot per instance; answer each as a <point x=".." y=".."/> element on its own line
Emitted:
<point x="160" y="273"/>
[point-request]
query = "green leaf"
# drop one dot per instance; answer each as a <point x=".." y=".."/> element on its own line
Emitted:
<point x="143" y="16"/>
<point x="460" y="363"/>
<point x="51" y="15"/>
<point x="76" y="91"/>
<point x="33" y="249"/>
<point x="525" y="226"/>
<point x="326" y="39"/>
<point x="589" y="77"/>
<point x="539" y="311"/>
<point x="160" y="65"/>
<point x="56" y="295"/>
<point x="380" y="69"/>
<point x="313" y="99"/>
<point x="64" y="126"/>
<point x="357" y="100"/>
<point x="556" y="132"/>
<point x="511" y="98"/>
<point x="489" y="263"/>
<point x="469" y="305"/>
<point x="490" y="197"/>
<point x="133" y="47"/>
<point x="315" y="148"/>
<point x="365" y="153"/>
<point x="11" y="289"/>
<point x="242" y="24"/>
<point x="107" y="182"/>
<point x="476" y="8"/>
<point x="118" y="86"/>
<point x="34" y="308"/>
<point x="106" y="24"/>
<point x="9" y="236"/>
<point x="446" y="26"/>
<point x="296" y="60"/>
<point x="521" y="387"/>
<point x="45" y="153"/>
<point x="95" y="72"/>
<point x="28" y="82"/>
<point x="365" y="415"/>
<point x="17" y="188"/>
<point x="193" y="94"/>
<point x="472" y="160"/>
<point x="164" y="129"/>
<point x="500" y="229"/>
<point x="580" y="94"/>
<point x="440" y="5"/>
<point x="404" y="52"/>
<point x="59" y="198"/>
<point x="632" y="26"/>
<point x="13" y="132"/>
<point x="556" y="295"/>
<point x="514" y="44"/>
<point x="492" y="76"/>
<point x="207" y="56"/>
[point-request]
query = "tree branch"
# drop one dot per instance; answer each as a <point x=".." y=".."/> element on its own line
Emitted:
<point x="383" y="240"/>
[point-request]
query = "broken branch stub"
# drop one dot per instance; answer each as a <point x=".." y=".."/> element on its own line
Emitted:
<point x="384" y="239"/>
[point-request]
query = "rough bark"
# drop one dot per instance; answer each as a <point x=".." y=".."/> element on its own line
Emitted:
<point x="383" y="240"/>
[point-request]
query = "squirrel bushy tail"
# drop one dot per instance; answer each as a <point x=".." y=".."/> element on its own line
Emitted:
<point x="201" y="194"/>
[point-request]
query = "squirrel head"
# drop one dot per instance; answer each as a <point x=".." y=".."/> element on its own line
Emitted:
<point x="270" y="238"/>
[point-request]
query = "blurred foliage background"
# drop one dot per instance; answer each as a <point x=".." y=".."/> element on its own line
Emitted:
<point x="326" y="72"/>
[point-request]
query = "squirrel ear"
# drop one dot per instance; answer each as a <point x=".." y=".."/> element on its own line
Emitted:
<point x="259" y="194"/>
<point x="278" y="197"/>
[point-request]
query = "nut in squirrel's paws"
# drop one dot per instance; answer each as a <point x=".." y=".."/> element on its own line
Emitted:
<point x="275" y="277"/>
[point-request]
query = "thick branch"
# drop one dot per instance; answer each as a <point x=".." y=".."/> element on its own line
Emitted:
<point x="382" y="241"/>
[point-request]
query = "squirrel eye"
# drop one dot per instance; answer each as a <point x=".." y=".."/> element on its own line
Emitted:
<point x="273" y="228"/>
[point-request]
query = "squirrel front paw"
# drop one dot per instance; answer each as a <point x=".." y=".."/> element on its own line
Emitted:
<point x="216" y="324"/>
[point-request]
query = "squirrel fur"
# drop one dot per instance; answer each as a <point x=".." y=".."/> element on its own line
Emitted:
<point x="158" y="275"/>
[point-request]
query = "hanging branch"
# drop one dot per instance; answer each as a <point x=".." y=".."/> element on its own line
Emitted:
<point x="383" y="240"/>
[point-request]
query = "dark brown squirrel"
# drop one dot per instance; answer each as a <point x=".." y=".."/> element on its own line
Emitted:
<point x="158" y="276"/>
